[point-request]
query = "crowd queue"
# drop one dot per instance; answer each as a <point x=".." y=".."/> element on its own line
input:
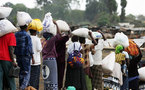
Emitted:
<point x="56" y="74"/>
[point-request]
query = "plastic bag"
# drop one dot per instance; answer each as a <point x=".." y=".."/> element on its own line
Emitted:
<point x="6" y="27"/>
<point x="62" y="25"/>
<point x="122" y="39"/>
<point x="23" y="18"/>
<point x="141" y="72"/>
<point x="48" y="25"/>
<point x="108" y="63"/>
<point x="36" y="24"/>
<point x="91" y="59"/>
<point x="5" y="12"/>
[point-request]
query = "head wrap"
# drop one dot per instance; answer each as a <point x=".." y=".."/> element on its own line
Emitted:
<point x="47" y="35"/>
<point x="118" y="49"/>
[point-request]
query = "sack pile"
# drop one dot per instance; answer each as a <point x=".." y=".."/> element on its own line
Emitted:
<point x="6" y="27"/>
<point x="23" y="18"/>
<point x="48" y="25"/>
<point x="122" y="39"/>
<point x="5" y="12"/>
<point x="62" y="25"/>
<point x="36" y="24"/>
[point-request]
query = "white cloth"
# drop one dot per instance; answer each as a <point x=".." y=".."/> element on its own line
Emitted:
<point x="71" y="47"/>
<point x="126" y="54"/>
<point x="117" y="73"/>
<point x="98" y="55"/>
<point x="37" y="47"/>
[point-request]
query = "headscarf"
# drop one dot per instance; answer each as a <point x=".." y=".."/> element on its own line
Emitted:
<point x="47" y="35"/>
<point x="118" y="49"/>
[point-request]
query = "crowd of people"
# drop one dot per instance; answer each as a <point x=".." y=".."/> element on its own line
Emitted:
<point x="56" y="74"/>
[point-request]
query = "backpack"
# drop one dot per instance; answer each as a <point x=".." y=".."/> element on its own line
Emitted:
<point x="74" y="60"/>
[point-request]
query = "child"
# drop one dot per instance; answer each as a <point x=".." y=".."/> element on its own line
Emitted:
<point x="35" y="67"/>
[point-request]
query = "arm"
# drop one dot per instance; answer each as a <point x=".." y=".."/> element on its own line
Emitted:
<point x="102" y="35"/>
<point x="58" y="31"/>
<point x="90" y="34"/>
<point x="11" y="50"/>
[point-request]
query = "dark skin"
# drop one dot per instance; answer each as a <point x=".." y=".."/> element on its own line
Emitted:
<point x="11" y="51"/>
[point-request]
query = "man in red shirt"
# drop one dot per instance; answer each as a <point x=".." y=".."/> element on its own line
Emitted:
<point x="6" y="59"/>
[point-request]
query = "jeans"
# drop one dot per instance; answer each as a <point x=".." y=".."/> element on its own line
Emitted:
<point x="4" y="70"/>
<point x="25" y="68"/>
<point x="35" y="75"/>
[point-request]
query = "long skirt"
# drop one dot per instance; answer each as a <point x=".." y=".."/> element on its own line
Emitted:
<point x="49" y="73"/>
<point x="75" y="77"/>
<point x="97" y="77"/>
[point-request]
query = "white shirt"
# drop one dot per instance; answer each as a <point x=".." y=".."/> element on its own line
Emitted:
<point x="37" y="47"/>
<point x="126" y="54"/>
<point x="98" y="55"/>
<point x="71" y="47"/>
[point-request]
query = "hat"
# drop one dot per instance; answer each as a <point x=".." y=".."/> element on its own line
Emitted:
<point x="5" y="12"/>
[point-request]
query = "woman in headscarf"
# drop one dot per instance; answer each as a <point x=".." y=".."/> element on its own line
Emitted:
<point x="122" y="58"/>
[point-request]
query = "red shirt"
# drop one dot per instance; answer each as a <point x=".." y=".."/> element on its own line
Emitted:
<point x="5" y="41"/>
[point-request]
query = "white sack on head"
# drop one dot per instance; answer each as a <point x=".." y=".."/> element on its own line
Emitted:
<point x="122" y="39"/>
<point x="82" y="32"/>
<point x="5" y="12"/>
<point x="141" y="72"/>
<point x="6" y="27"/>
<point x="96" y="35"/>
<point x="23" y="18"/>
<point x="108" y="63"/>
<point x="62" y="25"/>
<point x="48" y="25"/>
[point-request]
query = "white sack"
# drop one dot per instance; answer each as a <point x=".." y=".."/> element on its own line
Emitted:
<point x="96" y="35"/>
<point x="82" y="32"/>
<point x="108" y="63"/>
<point x="23" y="18"/>
<point x="141" y="72"/>
<point x="62" y="25"/>
<point x="91" y="59"/>
<point x="122" y="39"/>
<point x="48" y="25"/>
<point x="6" y="27"/>
<point x="5" y="12"/>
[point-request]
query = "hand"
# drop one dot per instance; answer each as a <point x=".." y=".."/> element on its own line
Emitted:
<point x="15" y="64"/>
<point x="33" y="61"/>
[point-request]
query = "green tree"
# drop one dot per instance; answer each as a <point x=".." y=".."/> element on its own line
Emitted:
<point x="123" y="4"/>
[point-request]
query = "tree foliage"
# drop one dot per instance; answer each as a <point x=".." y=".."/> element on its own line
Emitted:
<point x="123" y="5"/>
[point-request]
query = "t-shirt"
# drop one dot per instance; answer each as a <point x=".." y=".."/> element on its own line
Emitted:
<point x="6" y="41"/>
<point x="98" y="55"/>
<point x="37" y="47"/>
<point x="71" y="47"/>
